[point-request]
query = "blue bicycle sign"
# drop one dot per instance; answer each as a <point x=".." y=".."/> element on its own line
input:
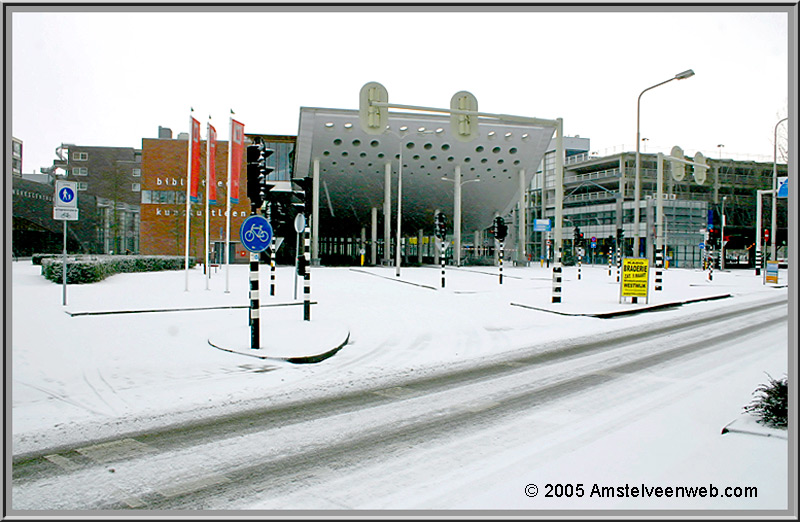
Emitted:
<point x="256" y="233"/>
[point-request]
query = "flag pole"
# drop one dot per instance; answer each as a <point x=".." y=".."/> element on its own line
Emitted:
<point x="188" y="196"/>
<point x="208" y="193"/>
<point x="228" y="208"/>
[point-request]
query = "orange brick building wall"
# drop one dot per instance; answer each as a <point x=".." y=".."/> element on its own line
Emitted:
<point x="163" y="207"/>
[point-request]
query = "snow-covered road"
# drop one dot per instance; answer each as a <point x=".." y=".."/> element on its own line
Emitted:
<point x="443" y="400"/>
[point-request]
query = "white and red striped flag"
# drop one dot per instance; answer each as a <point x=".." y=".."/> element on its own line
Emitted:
<point x="235" y="163"/>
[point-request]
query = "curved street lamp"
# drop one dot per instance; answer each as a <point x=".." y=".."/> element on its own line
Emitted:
<point x="680" y="76"/>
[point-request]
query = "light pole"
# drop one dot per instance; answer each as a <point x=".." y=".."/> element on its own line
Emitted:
<point x="773" y="237"/>
<point x="457" y="184"/>
<point x="720" y="150"/>
<point x="645" y="140"/>
<point x="680" y="76"/>
<point x="722" y="237"/>
<point x="420" y="131"/>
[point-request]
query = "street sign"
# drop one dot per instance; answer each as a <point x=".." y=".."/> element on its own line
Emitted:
<point x="635" y="277"/>
<point x="701" y="246"/>
<point x="299" y="223"/>
<point x="255" y="233"/>
<point x="65" y="202"/>
<point x="783" y="187"/>
<point x="65" y="214"/>
<point x="594" y="243"/>
<point x="541" y="225"/>
<point x="66" y="194"/>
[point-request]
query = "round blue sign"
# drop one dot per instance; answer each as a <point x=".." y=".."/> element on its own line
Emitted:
<point x="255" y="233"/>
<point x="66" y="194"/>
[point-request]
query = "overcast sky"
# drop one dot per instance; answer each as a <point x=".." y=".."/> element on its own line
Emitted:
<point x="111" y="78"/>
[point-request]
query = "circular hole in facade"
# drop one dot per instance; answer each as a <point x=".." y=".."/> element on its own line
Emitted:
<point x="508" y="135"/>
<point x="479" y="148"/>
<point x="512" y="150"/>
<point x="467" y="159"/>
<point x="492" y="134"/>
<point x="500" y="161"/>
<point x="496" y="150"/>
<point x="484" y="160"/>
<point x="433" y="158"/>
<point x="363" y="155"/>
<point x="380" y="155"/>
<point x="410" y="145"/>
<point x="345" y="153"/>
<point x="516" y="162"/>
<point x="445" y="146"/>
<point x="348" y="125"/>
<point x="356" y="143"/>
<point x="326" y="153"/>
<point x="329" y="125"/>
<point x="428" y="146"/>
<point x="337" y="141"/>
<point x="374" y="143"/>
<point x="450" y="159"/>
<point x="416" y="157"/>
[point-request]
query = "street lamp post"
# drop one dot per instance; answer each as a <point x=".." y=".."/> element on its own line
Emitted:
<point x="400" y="191"/>
<point x="680" y="76"/>
<point x="720" y="150"/>
<point x="722" y="236"/>
<point x="773" y="237"/>
<point x="457" y="184"/>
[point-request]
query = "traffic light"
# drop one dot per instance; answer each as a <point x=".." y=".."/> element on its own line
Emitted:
<point x="257" y="173"/>
<point x="302" y="200"/>
<point x="253" y="192"/>
<point x="578" y="236"/>
<point x="500" y="228"/>
<point x="440" y="225"/>
<point x="264" y="171"/>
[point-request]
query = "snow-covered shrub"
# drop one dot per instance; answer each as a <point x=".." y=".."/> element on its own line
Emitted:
<point x="771" y="404"/>
<point x="90" y="269"/>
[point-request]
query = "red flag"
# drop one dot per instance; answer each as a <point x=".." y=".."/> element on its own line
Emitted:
<point x="194" y="147"/>
<point x="236" y="150"/>
<point x="211" y="162"/>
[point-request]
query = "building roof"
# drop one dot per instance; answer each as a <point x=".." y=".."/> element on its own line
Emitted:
<point x="352" y="166"/>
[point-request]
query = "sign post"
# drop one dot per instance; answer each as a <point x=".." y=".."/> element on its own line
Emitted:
<point x="255" y="235"/>
<point x="65" y="209"/>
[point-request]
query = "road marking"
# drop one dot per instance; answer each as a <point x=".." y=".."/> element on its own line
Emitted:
<point x="114" y="450"/>
<point x="62" y="462"/>
<point x="195" y="485"/>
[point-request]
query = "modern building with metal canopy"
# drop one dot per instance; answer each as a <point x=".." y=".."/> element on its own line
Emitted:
<point x="355" y="172"/>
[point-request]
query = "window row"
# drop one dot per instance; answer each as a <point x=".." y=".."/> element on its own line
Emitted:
<point x="84" y="171"/>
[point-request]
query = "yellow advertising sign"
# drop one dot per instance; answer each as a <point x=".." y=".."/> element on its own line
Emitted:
<point x="635" y="277"/>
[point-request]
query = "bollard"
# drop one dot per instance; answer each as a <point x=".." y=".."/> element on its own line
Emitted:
<point x="659" y="262"/>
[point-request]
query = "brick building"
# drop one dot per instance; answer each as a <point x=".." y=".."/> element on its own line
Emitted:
<point x="163" y="198"/>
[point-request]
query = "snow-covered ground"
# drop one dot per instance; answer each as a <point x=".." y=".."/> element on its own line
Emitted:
<point x="78" y="376"/>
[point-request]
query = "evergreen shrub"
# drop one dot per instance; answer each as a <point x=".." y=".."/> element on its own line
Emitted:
<point x="771" y="403"/>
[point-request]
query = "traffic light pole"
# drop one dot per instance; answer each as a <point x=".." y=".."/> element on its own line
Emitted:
<point x="255" y="342"/>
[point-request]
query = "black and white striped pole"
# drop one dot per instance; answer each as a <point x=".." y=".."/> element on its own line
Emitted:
<point x="580" y="259"/>
<point x="610" y="256"/>
<point x="307" y="273"/>
<point x="500" y="230"/>
<point x="440" y="231"/>
<point x="659" y="266"/>
<point x="710" y="263"/>
<point x="255" y="342"/>
<point x="557" y="276"/>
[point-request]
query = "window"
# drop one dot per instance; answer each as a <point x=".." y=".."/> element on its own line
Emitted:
<point x="80" y="171"/>
<point x="137" y="173"/>
<point x="147" y="196"/>
<point x="80" y="156"/>
<point x="82" y="185"/>
<point x="136" y="187"/>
